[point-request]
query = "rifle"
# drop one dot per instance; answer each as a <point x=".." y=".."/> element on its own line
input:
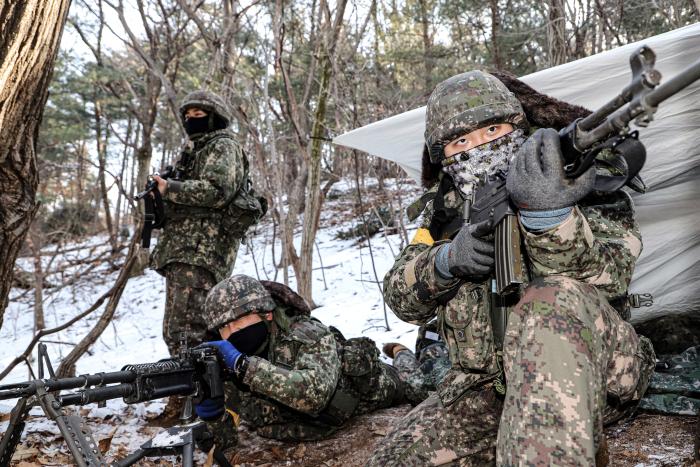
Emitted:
<point x="154" y="211"/>
<point x="195" y="373"/>
<point x="581" y="142"/>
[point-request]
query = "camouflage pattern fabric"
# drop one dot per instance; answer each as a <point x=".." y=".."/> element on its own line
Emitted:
<point x="194" y="233"/>
<point x="566" y="351"/>
<point x="186" y="289"/>
<point x="225" y="431"/>
<point x="468" y="168"/>
<point x="300" y="390"/>
<point x="595" y="248"/>
<point x="420" y="376"/>
<point x="463" y="433"/>
<point x="207" y="101"/>
<point x="234" y="297"/>
<point x="674" y="388"/>
<point x="464" y="103"/>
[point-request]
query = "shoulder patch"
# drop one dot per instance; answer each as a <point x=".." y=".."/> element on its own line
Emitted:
<point x="307" y="331"/>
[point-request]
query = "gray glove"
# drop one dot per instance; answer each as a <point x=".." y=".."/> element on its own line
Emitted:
<point x="468" y="254"/>
<point x="536" y="178"/>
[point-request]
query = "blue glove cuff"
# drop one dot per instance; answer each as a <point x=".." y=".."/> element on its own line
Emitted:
<point x="543" y="220"/>
<point x="441" y="265"/>
<point x="210" y="409"/>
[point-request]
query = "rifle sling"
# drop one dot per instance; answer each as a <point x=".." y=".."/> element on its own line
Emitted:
<point x="154" y="216"/>
<point x="445" y="221"/>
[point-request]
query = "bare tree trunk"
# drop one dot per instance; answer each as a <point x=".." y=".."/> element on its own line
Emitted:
<point x="496" y="35"/>
<point x="427" y="45"/>
<point x="30" y="32"/>
<point x="556" y="33"/>
<point x="34" y="242"/>
<point x="102" y="166"/>
<point x="122" y="172"/>
<point x="312" y="211"/>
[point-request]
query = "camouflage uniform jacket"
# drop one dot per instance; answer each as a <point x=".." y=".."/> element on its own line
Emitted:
<point x="597" y="244"/>
<point x="288" y="394"/>
<point x="212" y="173"/>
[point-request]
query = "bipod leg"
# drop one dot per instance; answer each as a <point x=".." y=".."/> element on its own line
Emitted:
<point x="75" y="431"/>
<point x="11" y="438"/>
<point x="176" y="440"/>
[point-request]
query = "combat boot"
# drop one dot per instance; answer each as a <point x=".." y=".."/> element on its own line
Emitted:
<point x="390" y="349"/>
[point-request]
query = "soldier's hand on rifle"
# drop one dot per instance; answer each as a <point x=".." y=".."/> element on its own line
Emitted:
<point x="229" y="354"/>
<point x="469" y="254"/>
<point x="536" y="178"/>
<point x="210" y="409"/>
<point x="162" y="184"/>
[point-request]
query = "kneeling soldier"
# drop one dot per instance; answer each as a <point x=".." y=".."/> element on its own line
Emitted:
<point x="294" y="378"/>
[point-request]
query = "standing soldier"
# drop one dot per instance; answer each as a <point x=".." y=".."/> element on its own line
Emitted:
<point x="291" y="377"/>
<point x="566" y="350"/>
<point x="208" y="207"/>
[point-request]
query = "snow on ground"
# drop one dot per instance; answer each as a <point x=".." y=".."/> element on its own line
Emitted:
<point x="348" y="297"/>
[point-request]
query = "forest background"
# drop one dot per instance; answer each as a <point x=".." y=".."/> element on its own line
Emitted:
<point x="296" y="75"/>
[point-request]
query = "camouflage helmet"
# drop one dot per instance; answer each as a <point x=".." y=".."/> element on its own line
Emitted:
<point x="235" y="297"/>
<point x="467" y="102"/>
<point x="208" y="101"/>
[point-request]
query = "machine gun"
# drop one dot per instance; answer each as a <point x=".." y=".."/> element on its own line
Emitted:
<point x="154" y="211"/>
<point x="581" y="143"/>
<point x="195" y="373"/>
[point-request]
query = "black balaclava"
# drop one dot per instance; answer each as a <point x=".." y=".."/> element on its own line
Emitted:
<point x="251" y="340"/>
<point x="206" y="124"/>
<point x="194" y="126"/>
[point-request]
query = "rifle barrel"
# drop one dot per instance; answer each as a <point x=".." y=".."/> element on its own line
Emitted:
<point x="28" y="388"/>
<point x="89" y="380"/>
<point x="672" y="86"/>
<point x="91" y="395"/>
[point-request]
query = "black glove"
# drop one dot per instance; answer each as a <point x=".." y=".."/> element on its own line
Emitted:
<point x="469" y="254"/>
<point x="536" y="178"/>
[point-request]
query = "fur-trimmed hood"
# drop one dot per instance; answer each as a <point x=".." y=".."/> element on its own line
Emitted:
<point x="542" y="111"/>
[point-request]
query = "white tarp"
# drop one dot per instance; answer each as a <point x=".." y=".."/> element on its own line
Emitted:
<point x="669" y="212"/>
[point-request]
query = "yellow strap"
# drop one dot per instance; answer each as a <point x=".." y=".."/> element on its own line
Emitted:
<point x="423" y="236"/>
<point x="234" y="416"/>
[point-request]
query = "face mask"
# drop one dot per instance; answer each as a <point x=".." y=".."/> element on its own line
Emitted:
<point x="194" y="126"/>
<point x="468" y="168"/>
<point x="251" y="339"/>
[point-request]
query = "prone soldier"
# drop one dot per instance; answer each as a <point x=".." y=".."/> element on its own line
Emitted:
<point x="295" y="379"/>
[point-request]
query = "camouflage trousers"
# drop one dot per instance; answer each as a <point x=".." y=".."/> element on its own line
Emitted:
<point x="566" y="352"/>
<point x="186" y="289"/>
<point x="463" y="434"/>
<point x="421" y="375"/>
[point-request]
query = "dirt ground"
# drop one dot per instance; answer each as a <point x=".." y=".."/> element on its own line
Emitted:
<point x="650" y="440"/>
<point x="646" y="440"/>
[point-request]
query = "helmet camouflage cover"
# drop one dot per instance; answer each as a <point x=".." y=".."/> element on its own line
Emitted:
<point x="467" y="102"/>
<point x="234" y="297"/>
<point x="207" y="101"/>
